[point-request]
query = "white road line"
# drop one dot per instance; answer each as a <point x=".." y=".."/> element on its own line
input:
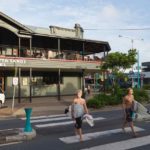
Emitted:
<point x="89" y="136"/>
<point x="62" y="123"/>
<point x="123" y="145"/>
<point x="49" y="116"/>
<point x="49" y="119"/>
<point x="1" y="145"/>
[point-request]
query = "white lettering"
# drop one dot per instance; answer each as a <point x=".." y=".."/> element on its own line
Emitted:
<point x="17" y="61"/>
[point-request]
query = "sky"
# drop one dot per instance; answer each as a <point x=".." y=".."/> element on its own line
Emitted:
<point x="106" y="16"/>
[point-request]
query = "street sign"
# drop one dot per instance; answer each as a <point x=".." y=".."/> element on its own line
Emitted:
<point x="135" y="75"/>
<point x="15" y="80"/>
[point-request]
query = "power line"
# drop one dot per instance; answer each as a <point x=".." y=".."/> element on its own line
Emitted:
<point x="127" y="29"/>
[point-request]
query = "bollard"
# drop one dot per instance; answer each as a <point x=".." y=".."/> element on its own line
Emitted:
<point x="28" y="127"/>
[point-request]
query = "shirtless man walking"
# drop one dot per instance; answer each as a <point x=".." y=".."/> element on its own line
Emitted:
<point x="128" y="112"/>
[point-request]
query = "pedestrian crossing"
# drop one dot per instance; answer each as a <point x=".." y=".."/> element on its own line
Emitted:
<point x="115" y="144"/>
<point x="54" y="120"/>
<point x="93" y="135"/>
<point x="123" y="145"/>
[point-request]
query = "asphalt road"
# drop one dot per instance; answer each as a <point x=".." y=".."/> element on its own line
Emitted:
<point x="57" y="133"/>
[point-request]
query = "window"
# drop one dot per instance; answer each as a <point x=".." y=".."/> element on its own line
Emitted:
<point x="52" y="80"/>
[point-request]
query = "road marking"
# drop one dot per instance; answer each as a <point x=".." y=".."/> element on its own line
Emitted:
<point x="63" y="123"/>
<point x="49" y="116"/>
<point x="123" y="145"/>
<point x="89" y="136"/>
<point x="1" y="145"/>
<point x="49" y="119"/>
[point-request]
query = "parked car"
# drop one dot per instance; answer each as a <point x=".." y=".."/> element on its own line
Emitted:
<point x="2" y="99"/>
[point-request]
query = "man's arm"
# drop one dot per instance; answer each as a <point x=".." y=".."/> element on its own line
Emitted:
<point x="85" y="108"/>
<point x="124" y="105"/>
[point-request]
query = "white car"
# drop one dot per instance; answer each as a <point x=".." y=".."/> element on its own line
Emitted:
<point x="2" y="99"/>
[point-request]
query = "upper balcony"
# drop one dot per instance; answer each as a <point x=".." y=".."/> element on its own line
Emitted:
<point x="50" y="59"/>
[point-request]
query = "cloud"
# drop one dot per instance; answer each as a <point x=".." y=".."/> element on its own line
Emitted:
<point x="12" y="5"/>
<point x="110" y="12"/>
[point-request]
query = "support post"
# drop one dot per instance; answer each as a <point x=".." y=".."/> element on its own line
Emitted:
<point x="83" y="83"/>
<point x="30" y="97"/>
<point x="138" y="71"/>
<point x="58" y="85"/>
<point x="19" y="86"/>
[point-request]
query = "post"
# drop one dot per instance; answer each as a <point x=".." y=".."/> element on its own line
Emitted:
<point x="138" y="70"/>
<point x="30" y="85"/>
<point x="19" y="46"/>
<point x="19" y="86"/>
<point x="30" y="47"/>
<point x="83" y="83"/>
<point x="14" y="88"/>
<point x="28" y="127"/>
<point x="58" y="85"/>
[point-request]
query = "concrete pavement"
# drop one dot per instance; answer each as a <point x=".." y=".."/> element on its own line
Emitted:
<point x="40" y="106"/>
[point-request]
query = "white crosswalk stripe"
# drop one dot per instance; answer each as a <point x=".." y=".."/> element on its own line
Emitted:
<point x="61" y="123"/>
<point x="7" y="144"/>
<point x="54" y="120"/>
<point x="49" y="116"/>
<point x="123" y="145"/>
<point x="90" y="136"/>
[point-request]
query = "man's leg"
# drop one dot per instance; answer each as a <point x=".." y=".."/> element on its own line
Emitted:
<point x="124" y="125"/>
<point x="80" y="134"/>
<point x="132" y="128"/>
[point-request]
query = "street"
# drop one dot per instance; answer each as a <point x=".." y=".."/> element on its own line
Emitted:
<point x="56" y="132"/>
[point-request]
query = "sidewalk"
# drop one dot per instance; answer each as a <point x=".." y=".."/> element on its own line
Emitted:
<point x="42" y="106"/>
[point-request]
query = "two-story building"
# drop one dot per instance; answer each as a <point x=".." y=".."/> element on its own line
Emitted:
<point x="46" y="61"/>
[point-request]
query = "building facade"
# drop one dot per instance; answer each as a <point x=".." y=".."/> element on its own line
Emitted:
<point x="45" y="61"/>
<point x="146" y="72"/>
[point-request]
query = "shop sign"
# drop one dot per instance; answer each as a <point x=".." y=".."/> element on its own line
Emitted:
<point x="12" y="61"/>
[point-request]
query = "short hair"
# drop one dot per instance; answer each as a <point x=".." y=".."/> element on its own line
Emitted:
<point x="128" y="89"/>
<point x="79" y="90"/>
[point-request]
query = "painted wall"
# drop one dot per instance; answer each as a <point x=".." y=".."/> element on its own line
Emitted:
<point x="69" y="86"/>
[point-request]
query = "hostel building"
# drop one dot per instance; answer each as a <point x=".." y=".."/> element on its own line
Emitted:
<point x="46" y="61"/>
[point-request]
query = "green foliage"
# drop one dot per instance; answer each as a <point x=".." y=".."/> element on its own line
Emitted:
<point x="94" y="103"/>
<point x="115" y="98"/>
<point x="146" y="86"/>
<point x="117" y="60"/>
<point x="141" y="95"/>
<point x="116" y="63"/>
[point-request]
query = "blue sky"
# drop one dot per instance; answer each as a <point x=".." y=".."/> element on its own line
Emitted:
<point x="105" y="15"/>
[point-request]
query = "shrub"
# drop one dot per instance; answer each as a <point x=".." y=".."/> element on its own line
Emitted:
<point x="93" y="103"/>
<point x="146" y="87"/>
<point x="101" y="100"/>
<point x="141" y="95"/>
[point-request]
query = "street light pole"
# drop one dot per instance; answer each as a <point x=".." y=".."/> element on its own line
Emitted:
<point x="138" y="75"/>
<point x="138" y="71"/>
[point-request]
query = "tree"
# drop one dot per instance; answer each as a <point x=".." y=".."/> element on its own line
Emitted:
<point x="117" y="63"/>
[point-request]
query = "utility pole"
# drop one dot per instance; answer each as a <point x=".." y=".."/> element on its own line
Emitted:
<point x="138" y="65"/>
<point x="138" y="71"/>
